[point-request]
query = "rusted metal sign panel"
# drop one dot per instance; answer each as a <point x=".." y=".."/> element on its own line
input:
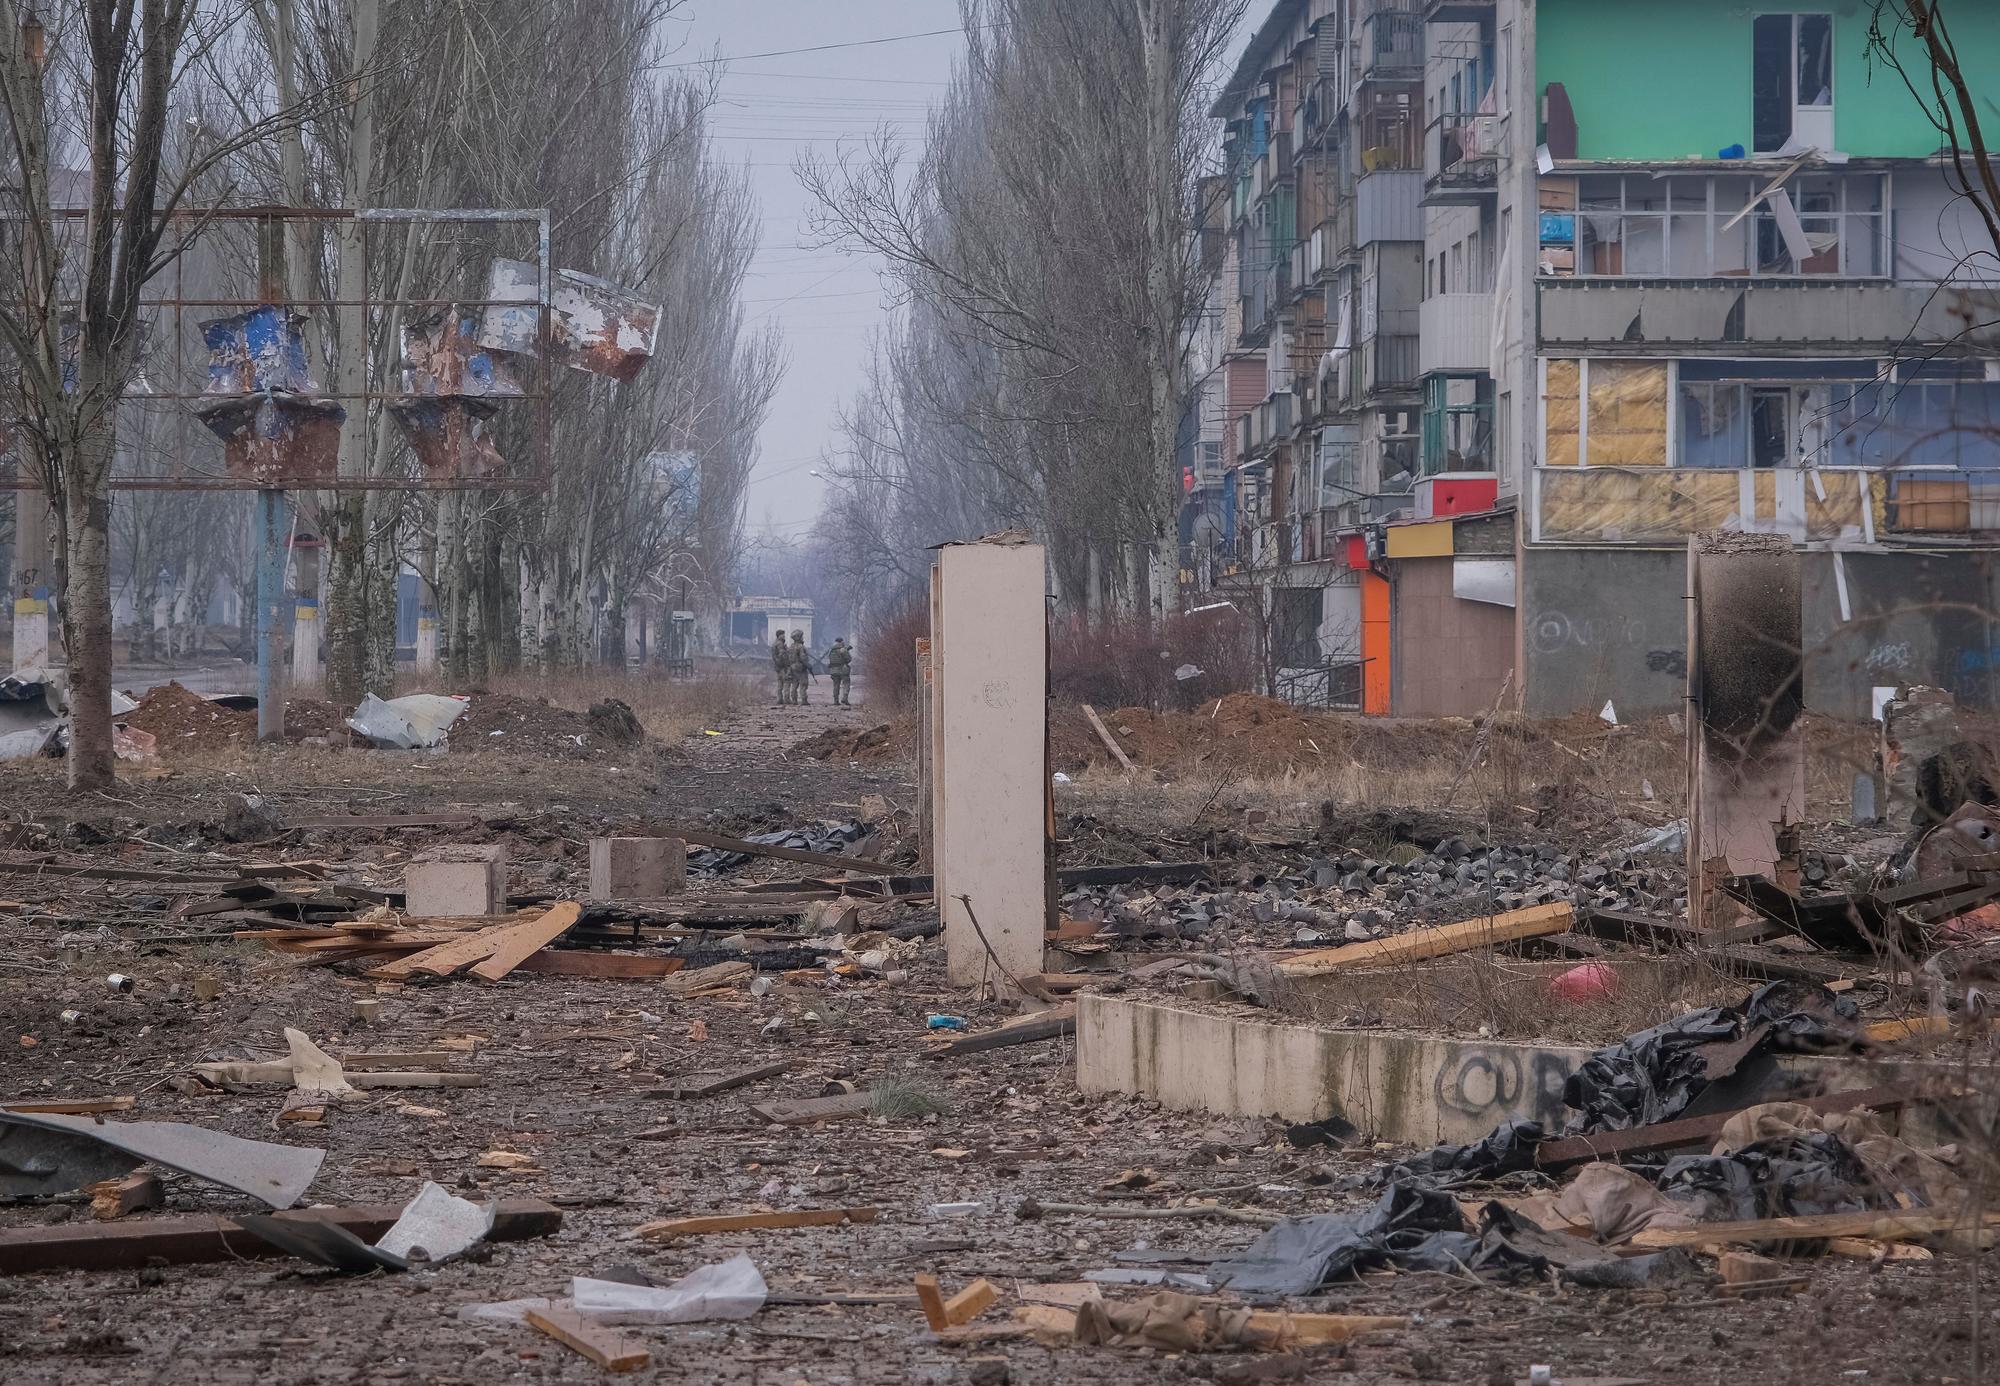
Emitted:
<point x="276" y="438"/>
<point x="442" y="356"/>
<point x="596" y="325"/>
<point x="448" y="435"/>
<point x="261" y="349"/>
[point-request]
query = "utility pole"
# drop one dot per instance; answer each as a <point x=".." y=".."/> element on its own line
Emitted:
<point x="275" y="605"/>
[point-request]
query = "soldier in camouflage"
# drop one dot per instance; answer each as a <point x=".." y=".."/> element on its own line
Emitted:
<point x="839" y="668"/>
<point x="781" y="665"/>
<point x="801" y="661"/>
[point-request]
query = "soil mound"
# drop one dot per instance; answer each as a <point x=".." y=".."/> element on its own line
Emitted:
<point x="182" y="721"/>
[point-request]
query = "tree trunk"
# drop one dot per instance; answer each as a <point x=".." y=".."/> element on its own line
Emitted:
<point x="1163" y="317"/>
<point x="86" y="611"/>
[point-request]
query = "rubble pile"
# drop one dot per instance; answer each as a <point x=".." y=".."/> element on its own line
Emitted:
<point x="183" y="721"/>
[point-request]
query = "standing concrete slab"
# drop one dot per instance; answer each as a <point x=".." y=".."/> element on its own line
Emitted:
<point x="457" y="881"/>
<point x="637" y="868"/>
<point x="990" y="804"/>
<point x="1235" y="1061"/>
<point x="1746" y="691"/>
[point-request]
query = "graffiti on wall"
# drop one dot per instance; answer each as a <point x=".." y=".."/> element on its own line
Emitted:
<point x="1490" y="1086"/>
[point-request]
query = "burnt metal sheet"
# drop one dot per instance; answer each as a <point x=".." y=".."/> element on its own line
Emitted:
<point x="328" y="1243"/>
<point x="277" y="1174"/>
<point x="36" y="1163"/>
<point x="596" y="326"/>
<point x="442" y="356"/>
<point x="259" y="349"/>
<point x="275" y="437"/>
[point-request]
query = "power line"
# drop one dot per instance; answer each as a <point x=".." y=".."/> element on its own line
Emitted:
<point x="838" y="77"/>
<point x="816" y="48"/>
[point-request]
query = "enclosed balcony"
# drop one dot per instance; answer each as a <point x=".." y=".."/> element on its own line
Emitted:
<point x="1462" y="153"/>
<point x="1457" y="332"/>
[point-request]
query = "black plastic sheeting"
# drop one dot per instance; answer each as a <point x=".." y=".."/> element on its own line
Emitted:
<point x="1796" y="1175"/>
<point x="1417" y="1229"/>
<point x="1510" y="1147"/>
<point x="1653" y="1076"/>
<point x="834" y="838"/>
<point x="1648" y="1077"/>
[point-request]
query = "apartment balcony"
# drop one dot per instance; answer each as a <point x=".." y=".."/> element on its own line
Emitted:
<point x="1723" y="317"/>
<point x="1456" y="332"/>
<point x="1459" y="12"/>
<point x="1322" y="251"/>
<point x="1392" y="42"/>
<point x="1320" y="111"/>
<point x="1267" y="424"/>
<point x="1388" y="205"/>
<point x="1462" y="154"/>
<point x="1276" y="295"/>
<point x="1391" y="364"/>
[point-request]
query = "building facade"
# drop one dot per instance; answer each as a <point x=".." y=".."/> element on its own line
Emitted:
<point x="1675" y="267"/>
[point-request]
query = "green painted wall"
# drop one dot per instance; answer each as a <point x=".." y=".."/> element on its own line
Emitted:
<point x="1670" y="79"/>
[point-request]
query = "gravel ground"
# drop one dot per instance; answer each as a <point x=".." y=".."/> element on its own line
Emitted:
<point x="568" y="1065"/>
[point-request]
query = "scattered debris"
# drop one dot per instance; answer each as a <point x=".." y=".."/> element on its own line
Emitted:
<point x="45" y="1153"/>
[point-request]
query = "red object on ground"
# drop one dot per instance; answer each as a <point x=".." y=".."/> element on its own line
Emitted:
<point x="1593" y="981"/>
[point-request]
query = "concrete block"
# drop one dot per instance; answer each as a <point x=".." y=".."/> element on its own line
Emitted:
<point x="1403" y="1087"/>
<point x="457" y="881"/>
<point x="637" y="868"/>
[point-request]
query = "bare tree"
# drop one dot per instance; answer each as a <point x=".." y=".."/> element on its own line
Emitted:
<point x="1064" y="258"/>
<point x="1940" y="85"/>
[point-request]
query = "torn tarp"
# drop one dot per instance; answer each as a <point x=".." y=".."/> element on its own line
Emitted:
<point x="1412" y="1229"/>
<point x="1509" y="1147"/>
<point x="1796" y="1175"/>
<point x="1653" y="1076"/>
<point x="814" y="837"/>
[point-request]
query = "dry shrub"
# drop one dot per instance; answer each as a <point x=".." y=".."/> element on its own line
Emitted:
<point x="887" y="653"/>
<point x="1131" y="663"/>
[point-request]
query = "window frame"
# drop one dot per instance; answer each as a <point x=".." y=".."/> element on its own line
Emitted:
<point x="1848" y="220"/>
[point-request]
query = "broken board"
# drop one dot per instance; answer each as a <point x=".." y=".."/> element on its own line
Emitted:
<point x="1418" y="945"/>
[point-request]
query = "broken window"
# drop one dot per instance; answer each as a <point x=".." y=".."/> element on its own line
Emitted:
<point x="1714" y="425"/>
<point x="1638" y="225"/>
<point x="1791" y="80"/>
<point x="1458" y="424"/>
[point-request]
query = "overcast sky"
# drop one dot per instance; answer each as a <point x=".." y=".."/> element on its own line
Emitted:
<point x="773" y="110"/>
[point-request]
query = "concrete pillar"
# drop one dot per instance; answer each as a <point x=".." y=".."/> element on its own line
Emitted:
<point x="32" y="581"/>
<point x="427" y="641"/>
<point x="990" y="777"/>
<point x="457" y="881"/>
<point x="925" y="825"/>
<point x="305" y="611"/>
<point x="637" y="868"/>
<point x="1746" y="748"/>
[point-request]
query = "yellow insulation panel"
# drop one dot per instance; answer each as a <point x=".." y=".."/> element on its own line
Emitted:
<point x="1419" y="541"/>
<point x="1616" y="505"/>
<point x="1628" y="414"/>
<point x="1563" y="415"/>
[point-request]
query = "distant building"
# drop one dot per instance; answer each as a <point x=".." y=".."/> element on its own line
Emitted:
<point x="1680" y="265"/>
<point x="752" y="621"/>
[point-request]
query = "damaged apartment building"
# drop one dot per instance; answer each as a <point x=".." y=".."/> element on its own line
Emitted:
<point x="1513" y="297"/>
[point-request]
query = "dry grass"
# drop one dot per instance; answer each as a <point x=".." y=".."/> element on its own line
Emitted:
<point x="1509" y="998"/>
<point x="1578" y="767"/>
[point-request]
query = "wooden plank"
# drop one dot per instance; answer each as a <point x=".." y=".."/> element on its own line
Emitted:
<point x="114" y="1198"/>
<point x="723" y="974"/>
<point x="1276" y="1328"/>
<point x="1699" y="1130"/>
<point x="357" y="1061"/>
<point x="386" y="820"/>
<point x="969" y="1303"/>
<point x="113" y="873"/>
<point x="672" y="1229"/>
<point x="682" y="1092"/>
<point x="128" y="1245"/>
<point x="932" y="1300"/>
<point x="444" y="959"/>
<point x="1110" y="742"/>
<point x="695" y="837"/>
<point x="1883" y="1227"/>
<point x="1047" y="1026"/>
<point x="1920" y="1027"/>
<point x="810" y="1109"/>
<point x="577" y="962"/>
<point x="516" y="945"/>
<point x="1418" y="945"/>
<point x="608" y="1349"/>
<point x="72" y="1106"/>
